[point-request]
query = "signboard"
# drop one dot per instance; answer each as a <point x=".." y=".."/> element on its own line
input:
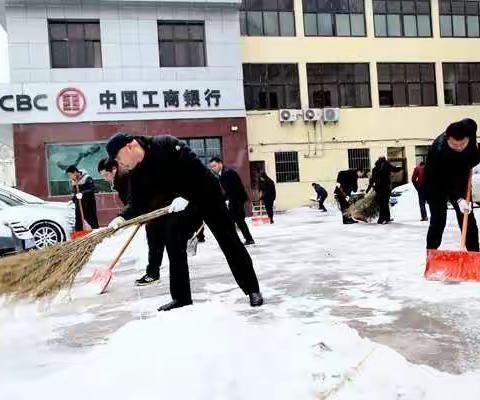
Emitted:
<point x="79" y="102"/>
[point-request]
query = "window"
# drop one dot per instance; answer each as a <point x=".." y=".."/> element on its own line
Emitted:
<point x="401" y="85"/>
<point x="271" y="86"/>
<point x="75" y="44"/>
<point x="334" y="18"/>
<point x="85" y="155"/>
<point x="421" y="153"/>
<point x="205" y="148"/>
<point x="461" y="83"/>
<point x="459" y="18"/>
<point x="267" y="18"/>
<point x="359" y="158"/>
<point x="286" y="165"/>
<point x="405" y="18"/>
<point x="181" y="44"/>
<point x="338" y="85"/>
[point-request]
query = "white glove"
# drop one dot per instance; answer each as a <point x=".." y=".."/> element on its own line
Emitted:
<point x="178" y="204"/>
<point x="79" y="196"/>
<point x="465" y="207"/>
<point x="347" y="198"/>
<point x="116" y="222"/>
<point x="337" y="185"/>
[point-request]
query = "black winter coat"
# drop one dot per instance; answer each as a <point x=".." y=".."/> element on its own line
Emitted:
<point x="267" y="188"/>
<point x="321" y="192"/>
<point x="86" y="186"/>
<point x="381" y="176"/>
<point x="233" y="186"/>
<point x="348" y="181"/>
<point x="121" y="185"/>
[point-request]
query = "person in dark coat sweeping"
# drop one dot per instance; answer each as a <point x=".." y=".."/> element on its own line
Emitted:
<point x="236" y="195"/>
<point x="321" y="196"/>
<point x="450" y="159"/>
<point x="347" y="182"/>
<point x="85" y="196"/>
<point x="418" y="181"/>
<point x="163" y="170"/>
<point x="268" y="194"/>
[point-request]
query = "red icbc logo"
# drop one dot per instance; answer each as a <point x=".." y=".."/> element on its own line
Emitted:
<point x="71" y="102"/>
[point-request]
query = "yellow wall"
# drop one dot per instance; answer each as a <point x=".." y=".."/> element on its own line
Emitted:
<point x="323" y="148"/>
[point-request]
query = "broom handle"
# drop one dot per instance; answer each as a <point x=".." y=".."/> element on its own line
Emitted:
<point x="80" y="207"/>
<point x="465" y="216"/>
<point x="120" y="253"/>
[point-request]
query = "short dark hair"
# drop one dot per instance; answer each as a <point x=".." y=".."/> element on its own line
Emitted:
<point x="71" y="169"/>
<point x="107" y="164"/>
<point x="313" y="184"/>
<point x="216" y="159"/>
<point x="118" y="142"/>
<point x="461" y="129"/>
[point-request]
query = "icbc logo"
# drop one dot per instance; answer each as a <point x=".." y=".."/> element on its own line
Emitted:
<point x="71" y="102"/>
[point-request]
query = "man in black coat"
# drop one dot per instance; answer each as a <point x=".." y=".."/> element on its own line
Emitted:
<point x="84" y="196"/>
<point x="236" y="195"/>
<point x="450" y="159"/>
<point x="347" y="182"/>
<point x="321" y="196"/>
<point x="164" y="171"/>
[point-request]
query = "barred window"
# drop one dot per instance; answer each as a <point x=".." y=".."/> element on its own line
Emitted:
<point x="267" y="18"/>
<point x="205" y="148"/>
<point x="75" y="44"/>
<point x="459" y="18"/>
<point x="338" y="85"/>
<point x="286" y="165"/>
<point x="359" y="158"/>
<point x="401" y="85"/>
<point x="334" y="18"/>
<point x="406" y="18"/>
<point x="421" y="153"/>
<point x="461" y="83"/>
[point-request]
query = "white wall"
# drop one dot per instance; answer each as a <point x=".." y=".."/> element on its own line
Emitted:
<point x="7" y="165"/>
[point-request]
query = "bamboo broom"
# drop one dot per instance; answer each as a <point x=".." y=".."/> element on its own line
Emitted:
<point x="42" y="273"/>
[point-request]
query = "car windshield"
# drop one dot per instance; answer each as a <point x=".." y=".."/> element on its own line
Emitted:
<point x="18" y="197"/>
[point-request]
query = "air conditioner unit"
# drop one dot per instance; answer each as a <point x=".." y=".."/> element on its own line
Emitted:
<point x="288" y="115"/>
<point x="312" y="114"/>
<point x="331" y="115"/>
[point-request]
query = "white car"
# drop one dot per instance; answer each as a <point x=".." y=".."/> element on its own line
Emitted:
<point x="50" y="222"/>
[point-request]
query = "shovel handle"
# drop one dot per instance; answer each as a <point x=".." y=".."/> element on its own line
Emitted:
<point x="122" y="250"/>
<point x="80" y="207"/>
<point x="465" y="215"/>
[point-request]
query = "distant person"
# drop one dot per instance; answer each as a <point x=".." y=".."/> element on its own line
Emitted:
<point x="418" y="180"/>
<point x="236" y="195"/>
<point x="84" y="196"/>
<point x="321" y="196"/>
<point x="347" y="183"/>
<point x="268" y="193"/>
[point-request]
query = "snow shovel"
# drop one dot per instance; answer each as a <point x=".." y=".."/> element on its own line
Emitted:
<point x="86" y="229"/>
<point x="457" y="266"/>
<point x="102" y="277"/>
<point x="260" y="219"/>
<point x="192" y="243"/>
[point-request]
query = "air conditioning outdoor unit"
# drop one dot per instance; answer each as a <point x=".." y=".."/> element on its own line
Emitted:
<point x="288" y="115"/>
<point x="331" y="115"/>
<point x="312" y="114"/>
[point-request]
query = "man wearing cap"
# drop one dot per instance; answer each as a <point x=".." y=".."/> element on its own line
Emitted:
<point x="164" y="170"/>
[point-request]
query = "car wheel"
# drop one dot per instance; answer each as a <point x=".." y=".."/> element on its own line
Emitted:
<point x="46" y="234"/>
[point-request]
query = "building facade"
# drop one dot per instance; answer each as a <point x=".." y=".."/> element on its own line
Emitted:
<point x="82" y="70"/>
<point x="397" y="71"/>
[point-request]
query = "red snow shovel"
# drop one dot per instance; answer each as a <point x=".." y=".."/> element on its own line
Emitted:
<point x="102" y="277"/>
<point x="260" y="219"/>
<point x="457" y="266"/>
<point x="85" y="227"/>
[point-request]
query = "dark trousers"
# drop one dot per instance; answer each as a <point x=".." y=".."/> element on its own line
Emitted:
<point x="156" y="247"/>
<point x="344" y="206"/>
<point x="237" y="211"/>
<point x="438" y="220"/>
<point x="269" y="207"/>
<point x="422" y="202"/>
<point x="321" y="200"/>
<point x="382" y="198"/>
<point x="89" y="208"/>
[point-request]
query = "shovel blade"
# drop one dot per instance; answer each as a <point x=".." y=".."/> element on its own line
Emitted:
<point x="260" y="220"/>
<point x="100" y="279"/>
<point x="79" y="234"/>
<point x="459" y="266"/>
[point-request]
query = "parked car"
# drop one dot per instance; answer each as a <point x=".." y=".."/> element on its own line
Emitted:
<point x="15" y="237"/>
<point x="49" y="222"/>
<point x="476" y="185"/>
<point x="400" y="191"/>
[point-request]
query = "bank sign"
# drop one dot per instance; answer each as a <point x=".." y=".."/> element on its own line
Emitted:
<point x="37" y="103"/>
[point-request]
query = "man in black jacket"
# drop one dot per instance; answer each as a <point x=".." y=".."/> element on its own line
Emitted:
<point x="347" y="182"/>
<point x="85" y="195"/>
<point x="236" y="195"/>
<point x="321" y="196"/>
<point x="165" y="171"/>
<point x="450" y="159"/>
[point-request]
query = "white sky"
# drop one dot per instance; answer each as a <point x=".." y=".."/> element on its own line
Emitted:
<point x="3" y="57"/>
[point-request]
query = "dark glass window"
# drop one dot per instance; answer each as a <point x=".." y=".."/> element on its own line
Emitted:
<point x="205" y="148"/>
<point x="334" y="18"/>
<point x="271" y="86"/>
<point x="459" y="18"/>
<point x="405" y="18"/>
<point x="286" y="166"/>
<point x="267" y="18"/>
<point x="359" y="158"/>
<point x="461" y="83"/>
<point x="181" y="44"/>
<point x="75" y="44"/>
<point x="338" y="85"/>
<point x="401" y="85"/>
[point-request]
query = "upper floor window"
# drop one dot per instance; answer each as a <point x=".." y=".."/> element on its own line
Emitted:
<point x="271" y="86"/>
<point x="267" y="18"/>
<point x="406" y="18"/>
<point x="75" y="44"/>
<point x="334" y="18"/>
<point x="459" y="18"/>
<point x="461" y="83"/>
<point x="181" y="44"/>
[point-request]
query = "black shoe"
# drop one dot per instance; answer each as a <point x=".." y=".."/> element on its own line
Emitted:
<point x="249" y="242"/>
<point x="174" y="304"/>
<point x="350" y="221"/>
<point x="424" y="219"/>
<point x="271" y="221"/>
<point x="256" y="299"/>
<point x="146" y="280"/>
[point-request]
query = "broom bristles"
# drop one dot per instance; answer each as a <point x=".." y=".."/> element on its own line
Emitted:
<point x="41" y="273"/>
<point x="364" y="209"/>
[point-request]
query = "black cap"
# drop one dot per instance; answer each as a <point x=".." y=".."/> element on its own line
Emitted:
<point x="117" y="142"/>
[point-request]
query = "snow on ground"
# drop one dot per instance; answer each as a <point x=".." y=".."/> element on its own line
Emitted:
<point x="348" y="315"/>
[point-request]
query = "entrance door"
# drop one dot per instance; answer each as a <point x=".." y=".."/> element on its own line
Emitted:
<point x="256" y="168"/>
<point x="396" y="156"/>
